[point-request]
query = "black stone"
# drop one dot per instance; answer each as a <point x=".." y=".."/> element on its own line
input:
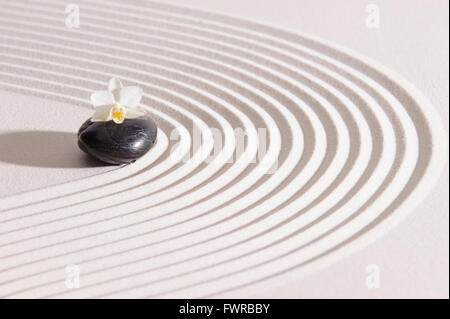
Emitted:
<point x="117" y="143"/>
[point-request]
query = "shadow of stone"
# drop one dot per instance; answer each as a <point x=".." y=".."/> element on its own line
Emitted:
<point x="44" y="149"/>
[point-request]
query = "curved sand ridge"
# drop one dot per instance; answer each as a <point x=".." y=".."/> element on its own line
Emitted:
<point x="355" y="153"/>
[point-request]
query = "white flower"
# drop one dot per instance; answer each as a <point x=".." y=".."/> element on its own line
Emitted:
<point x="118" y="103"/>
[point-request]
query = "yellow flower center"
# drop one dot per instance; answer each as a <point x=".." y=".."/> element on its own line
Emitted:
<point x="118" y="113"/>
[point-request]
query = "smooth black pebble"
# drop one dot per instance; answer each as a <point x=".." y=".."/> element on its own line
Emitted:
<point x="117" y="143"/>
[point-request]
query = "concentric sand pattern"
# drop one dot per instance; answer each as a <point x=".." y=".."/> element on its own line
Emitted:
<point x="354" y="147"/>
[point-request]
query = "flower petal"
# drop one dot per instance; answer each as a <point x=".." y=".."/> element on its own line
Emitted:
<point x="102" y="113"/>
<point x="102" y="98"/>
<point x="134" y="113"/>
<point x="114" y="84"/>
<point x="118" y="120"/>
<point x="129" y="96"/>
